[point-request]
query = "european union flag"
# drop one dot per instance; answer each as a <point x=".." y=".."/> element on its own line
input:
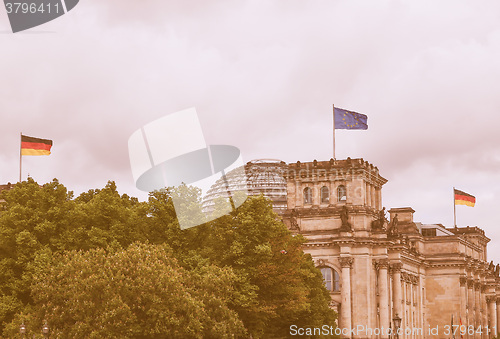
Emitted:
<point x="345" y="119"/>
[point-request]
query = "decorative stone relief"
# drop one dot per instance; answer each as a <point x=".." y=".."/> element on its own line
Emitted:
<point x="346" y="261"/>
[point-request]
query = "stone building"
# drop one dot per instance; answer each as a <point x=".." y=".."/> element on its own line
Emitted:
<point x="378" y="269"/>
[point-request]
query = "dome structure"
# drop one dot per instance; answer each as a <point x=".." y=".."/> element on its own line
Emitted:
<point x="262" y="176"/>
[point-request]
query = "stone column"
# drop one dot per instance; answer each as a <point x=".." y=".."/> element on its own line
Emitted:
<point x="498" y="313"/>
<point x="477" y="305"/>
<point x="372" y="192"/>
<point x="396" y="289"/>
<point x="470" y="305"/>
<point x="368" y="196"/>
<point x="383" y="290"/>
<point x="345" y="294"/>
<point x="484" y="310"/>
<point x="492" y="314"/>
<point x="463" y="300"/>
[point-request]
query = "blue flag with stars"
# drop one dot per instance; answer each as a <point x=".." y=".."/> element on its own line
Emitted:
<point x="345" y="119"/>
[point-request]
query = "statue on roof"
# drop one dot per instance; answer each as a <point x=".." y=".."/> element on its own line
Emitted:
<point x="393" y="229"/>
<point x="344" y="217"/>
<point x="293" y="220"/>
<point x="381" y="221"/>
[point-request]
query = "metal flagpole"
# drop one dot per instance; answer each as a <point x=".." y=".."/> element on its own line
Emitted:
<point x="454" y="209"/>
<point x="333" y="132"/>
<point x="20" y="156"/>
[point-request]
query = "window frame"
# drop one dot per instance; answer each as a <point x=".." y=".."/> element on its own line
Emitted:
<point x="333" y="283"/>
<point x="325" y="198"/>
<point x="341" y="197"/>
<point x="307" y="195"/>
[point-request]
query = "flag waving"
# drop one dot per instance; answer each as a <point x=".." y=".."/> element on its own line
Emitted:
<point x="35" y="146"/>
<point x="345" y="119"/>
<point x="462" y="198"/>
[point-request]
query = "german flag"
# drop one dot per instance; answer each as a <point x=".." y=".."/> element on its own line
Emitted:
<point x="35" y="146"/>
<point x="462" y="198"/>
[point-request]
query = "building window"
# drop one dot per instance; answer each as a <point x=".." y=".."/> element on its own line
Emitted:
<point x="429" y="232"/>
<point x="325" y="195"/>
<point x="307" y="195"/>
<point x="331" y="279"/>
<point x="341" y="193"/>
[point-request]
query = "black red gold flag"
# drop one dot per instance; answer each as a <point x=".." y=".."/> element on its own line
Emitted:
<point x="35" y="146"/>
<point x="462" y="198"/>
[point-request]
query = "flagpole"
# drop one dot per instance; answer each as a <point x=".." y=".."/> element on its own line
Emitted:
<point x="333" y="132"/>
<point x="454" y="209"/>
<point x="20" y="156"/>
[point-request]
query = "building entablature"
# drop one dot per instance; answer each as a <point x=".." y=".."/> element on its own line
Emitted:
<point x="347" y="241"/>
<point x="335" y="170"/>
<point x="329" y="210"/>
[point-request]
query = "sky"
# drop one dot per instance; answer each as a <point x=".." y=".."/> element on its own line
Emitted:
<point x="263" y="76"/>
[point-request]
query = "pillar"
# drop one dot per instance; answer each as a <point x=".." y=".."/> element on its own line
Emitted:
<point x="477" y="304"/>
<point x="372" y="192"/>
<point x="463" y="300"/>
<point x="492" y="314"/>
<point x="383" y="288"/>
<point x="484" y="311"/>
<point x="498" y="313"/>
<point x="368" y="194"/>
<point x="471" y="305"/>
<point x="345" y="294"/>
<point x="396" y="289"/>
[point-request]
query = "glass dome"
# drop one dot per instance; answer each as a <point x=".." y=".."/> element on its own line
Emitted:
<point x="262" y="176"/>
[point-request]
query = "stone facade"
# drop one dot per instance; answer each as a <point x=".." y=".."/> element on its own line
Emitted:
<point x="378" y="268"/>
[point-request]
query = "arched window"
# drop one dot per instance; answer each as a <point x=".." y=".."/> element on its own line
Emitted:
<point x="325" y="195"/>
<point x="331" y="279"/>
<point x="341" y="193"/>
<point x="307" y="195"/>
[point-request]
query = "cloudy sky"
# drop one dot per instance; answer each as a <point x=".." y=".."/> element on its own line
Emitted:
<point x="263" y="76"/>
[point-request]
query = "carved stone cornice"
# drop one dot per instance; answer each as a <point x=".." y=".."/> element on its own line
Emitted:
<point x="346" y="261"/>
<point x="463" y="281"/>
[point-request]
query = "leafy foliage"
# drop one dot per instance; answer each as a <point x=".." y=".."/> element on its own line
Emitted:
<point x="140" y="292"/>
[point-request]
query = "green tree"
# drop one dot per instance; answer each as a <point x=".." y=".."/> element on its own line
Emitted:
<point x="38" y="218"/>
<point x="277" y="283"/>
<point x="140" y="292"/>
<point x="32" y="219"/>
